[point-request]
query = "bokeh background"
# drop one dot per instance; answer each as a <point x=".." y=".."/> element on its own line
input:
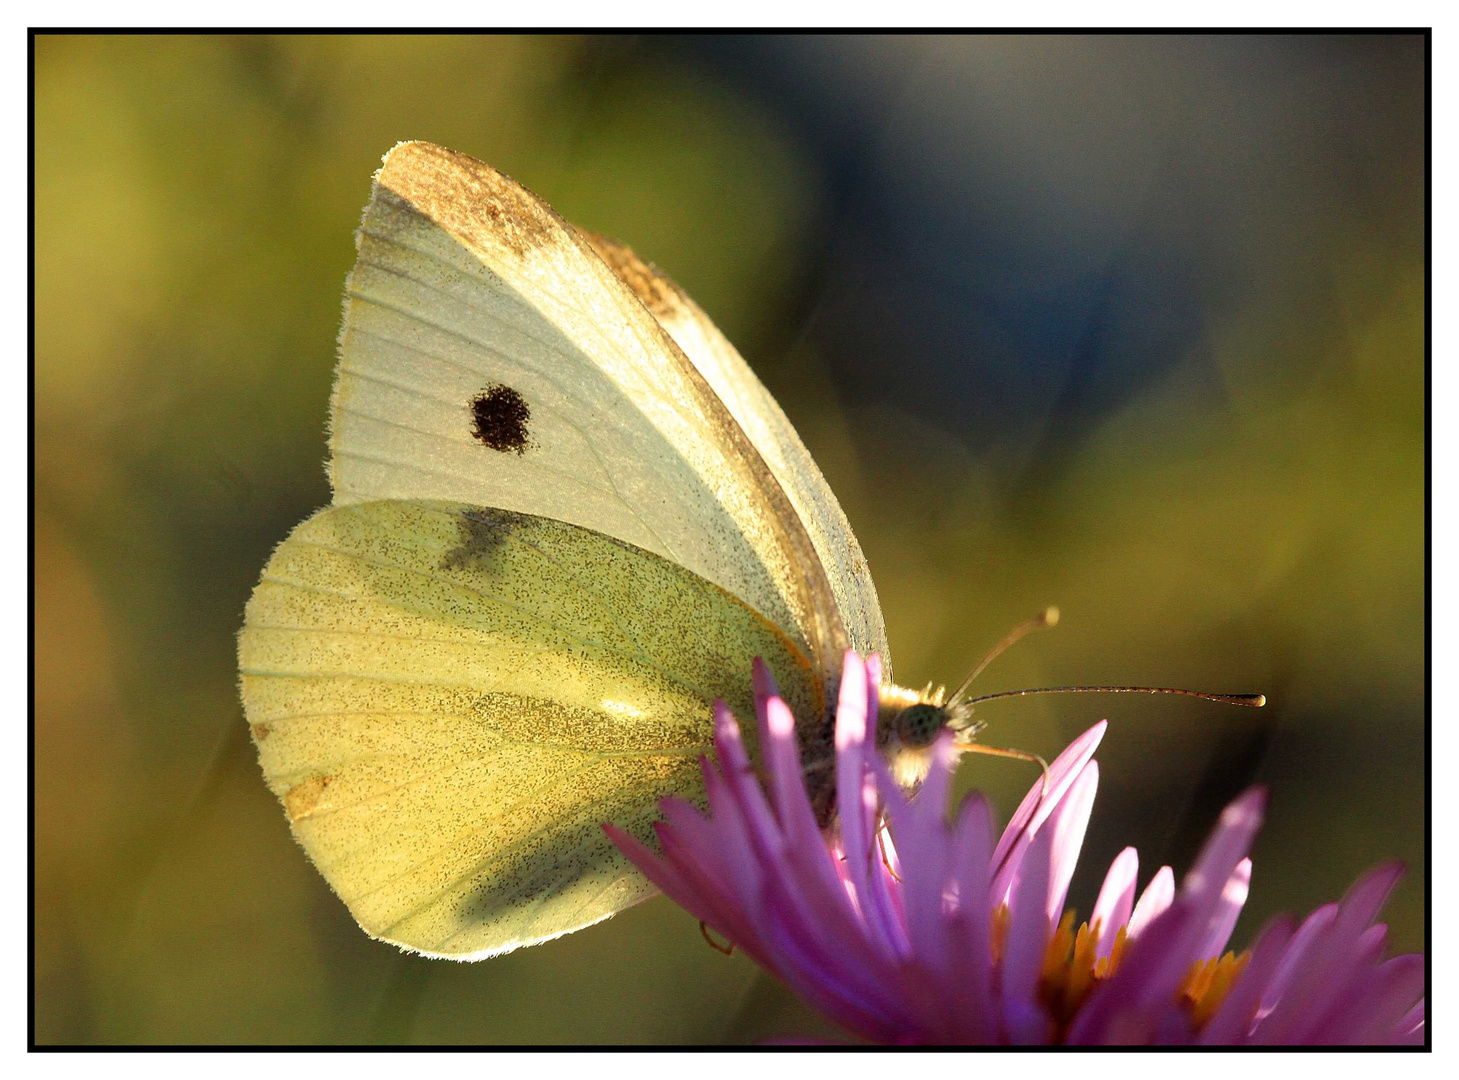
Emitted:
<point x="1134" y="326"/>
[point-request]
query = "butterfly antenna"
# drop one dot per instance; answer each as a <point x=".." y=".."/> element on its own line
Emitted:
<point x="1048" y="617"/>
<point x="1251" y="701"/>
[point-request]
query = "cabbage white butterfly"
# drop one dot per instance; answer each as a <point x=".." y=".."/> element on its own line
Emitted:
<point x="566" y="516"/>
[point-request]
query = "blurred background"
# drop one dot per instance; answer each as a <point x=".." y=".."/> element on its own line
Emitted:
<point x="1134" y="326"/>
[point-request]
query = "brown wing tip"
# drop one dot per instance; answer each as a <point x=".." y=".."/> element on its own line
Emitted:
<point x="407" y="157"/>
<point x="652" y="286"/>
<point x="468" y="198"/>
<point x="400" y="154"/>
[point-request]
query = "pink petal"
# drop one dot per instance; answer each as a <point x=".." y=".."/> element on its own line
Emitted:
<point x="1116" y="900"/>
<point x="857" y="801"/>
<point x="1232" y="1021"/>
<point x="925" y="844"/>
<point x="734" y="850"/>
<point x="823" y="956"/>
<point x="1024" y="1018"/>
<point x="1413" y="1024"/>
<point x="1059" y="796"/>
<point x="1227" y="846"/>
<point x="804" y="886"/>
<point x="871" y="1010"/>
<point x="1036" y="806"/>
<point x="1153" y="901"/>
<point x="1007" y="872"/>
<point x="1201" y="892"/>
<point x="690" y="894"/>
<point x="856" y="840"/>
<point x="755" y="821"/>
<point x="928" y="890"/>
<point x="808" y="917"/>
<point x="1310" y="932"/>
<point x="763" y="683"/>
<point x="1417" y="1036"/>
<point x="970" y="955"/>
<point x="887" y="885"/>
<point x="713" y="903"/>
<point x="871" y="804"/>
<point x="1373" y="938"/>
<point x="873" y="689"/>
<point x="744" y="786"/>
<point x="1069" y="823"/>
<point x="1363" y="902"/>
<point x="1228" y="910"/>
<point x="653" y="868"/>
<point x="1332" y="965"/>
<point x="884" y="891"/>
<point x="806" y="861"/>
<point x="780" y="751"/>
<point x="1375" y="1016"/>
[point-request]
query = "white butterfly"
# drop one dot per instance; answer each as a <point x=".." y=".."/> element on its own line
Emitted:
<point x="566" y="516"/>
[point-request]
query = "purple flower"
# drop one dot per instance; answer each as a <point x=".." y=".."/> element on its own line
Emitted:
<point x="947" y="937"/>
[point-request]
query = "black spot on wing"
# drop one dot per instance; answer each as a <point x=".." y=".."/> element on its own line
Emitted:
<point x="499" y="417"/>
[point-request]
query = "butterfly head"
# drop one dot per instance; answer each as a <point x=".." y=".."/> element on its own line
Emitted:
<point x="909" y="722"/>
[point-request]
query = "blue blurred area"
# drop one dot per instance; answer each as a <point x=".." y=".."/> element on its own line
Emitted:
<point x="1032" y="231"/>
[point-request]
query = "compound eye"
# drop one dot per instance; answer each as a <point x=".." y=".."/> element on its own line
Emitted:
<point x="918" y="725"/>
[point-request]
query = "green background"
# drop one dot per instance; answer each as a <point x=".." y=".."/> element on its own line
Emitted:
<point x="1249" y="518"/>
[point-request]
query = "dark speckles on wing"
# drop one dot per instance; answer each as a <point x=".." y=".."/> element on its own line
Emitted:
<point x="499" y="418"/>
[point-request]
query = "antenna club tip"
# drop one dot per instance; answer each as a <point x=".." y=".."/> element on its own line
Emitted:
<point x="1051" y="616"/>
<point x="1258" y="700"/>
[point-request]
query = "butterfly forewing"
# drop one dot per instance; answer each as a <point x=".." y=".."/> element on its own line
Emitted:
<point x="490" y="356"/>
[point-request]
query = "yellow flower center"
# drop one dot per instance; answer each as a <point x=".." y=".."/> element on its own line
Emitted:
<point x="1071" y="970"/>
<point x="1207" y="984"/>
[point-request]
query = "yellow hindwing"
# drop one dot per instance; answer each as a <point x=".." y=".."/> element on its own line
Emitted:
<point x="449" y="700"/>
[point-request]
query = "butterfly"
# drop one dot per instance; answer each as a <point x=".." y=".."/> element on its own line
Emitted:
<point x="566" y="516"/>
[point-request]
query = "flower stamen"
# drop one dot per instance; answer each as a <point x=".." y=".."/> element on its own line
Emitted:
<point x="1071" y="969"/>
<point x="998" y="932"/>
<point x="1207" y="984"/>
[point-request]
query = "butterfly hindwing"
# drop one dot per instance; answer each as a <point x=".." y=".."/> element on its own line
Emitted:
<point x="449" y="700"/>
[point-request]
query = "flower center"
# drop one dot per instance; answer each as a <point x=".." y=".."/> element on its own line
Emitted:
<point x="1071" y="970"/>
<point x="1207" y="984"/>
<point x="1071" y="967"/>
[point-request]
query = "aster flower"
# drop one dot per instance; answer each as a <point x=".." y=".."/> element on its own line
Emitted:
<point x="905" y="928"/>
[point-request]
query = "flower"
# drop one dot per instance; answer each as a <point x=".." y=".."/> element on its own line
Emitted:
<point x="946" y="937"/>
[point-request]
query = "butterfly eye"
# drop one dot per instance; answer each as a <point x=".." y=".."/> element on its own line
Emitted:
<point x="918" y="725"/>
<point x="499" y="418"/>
